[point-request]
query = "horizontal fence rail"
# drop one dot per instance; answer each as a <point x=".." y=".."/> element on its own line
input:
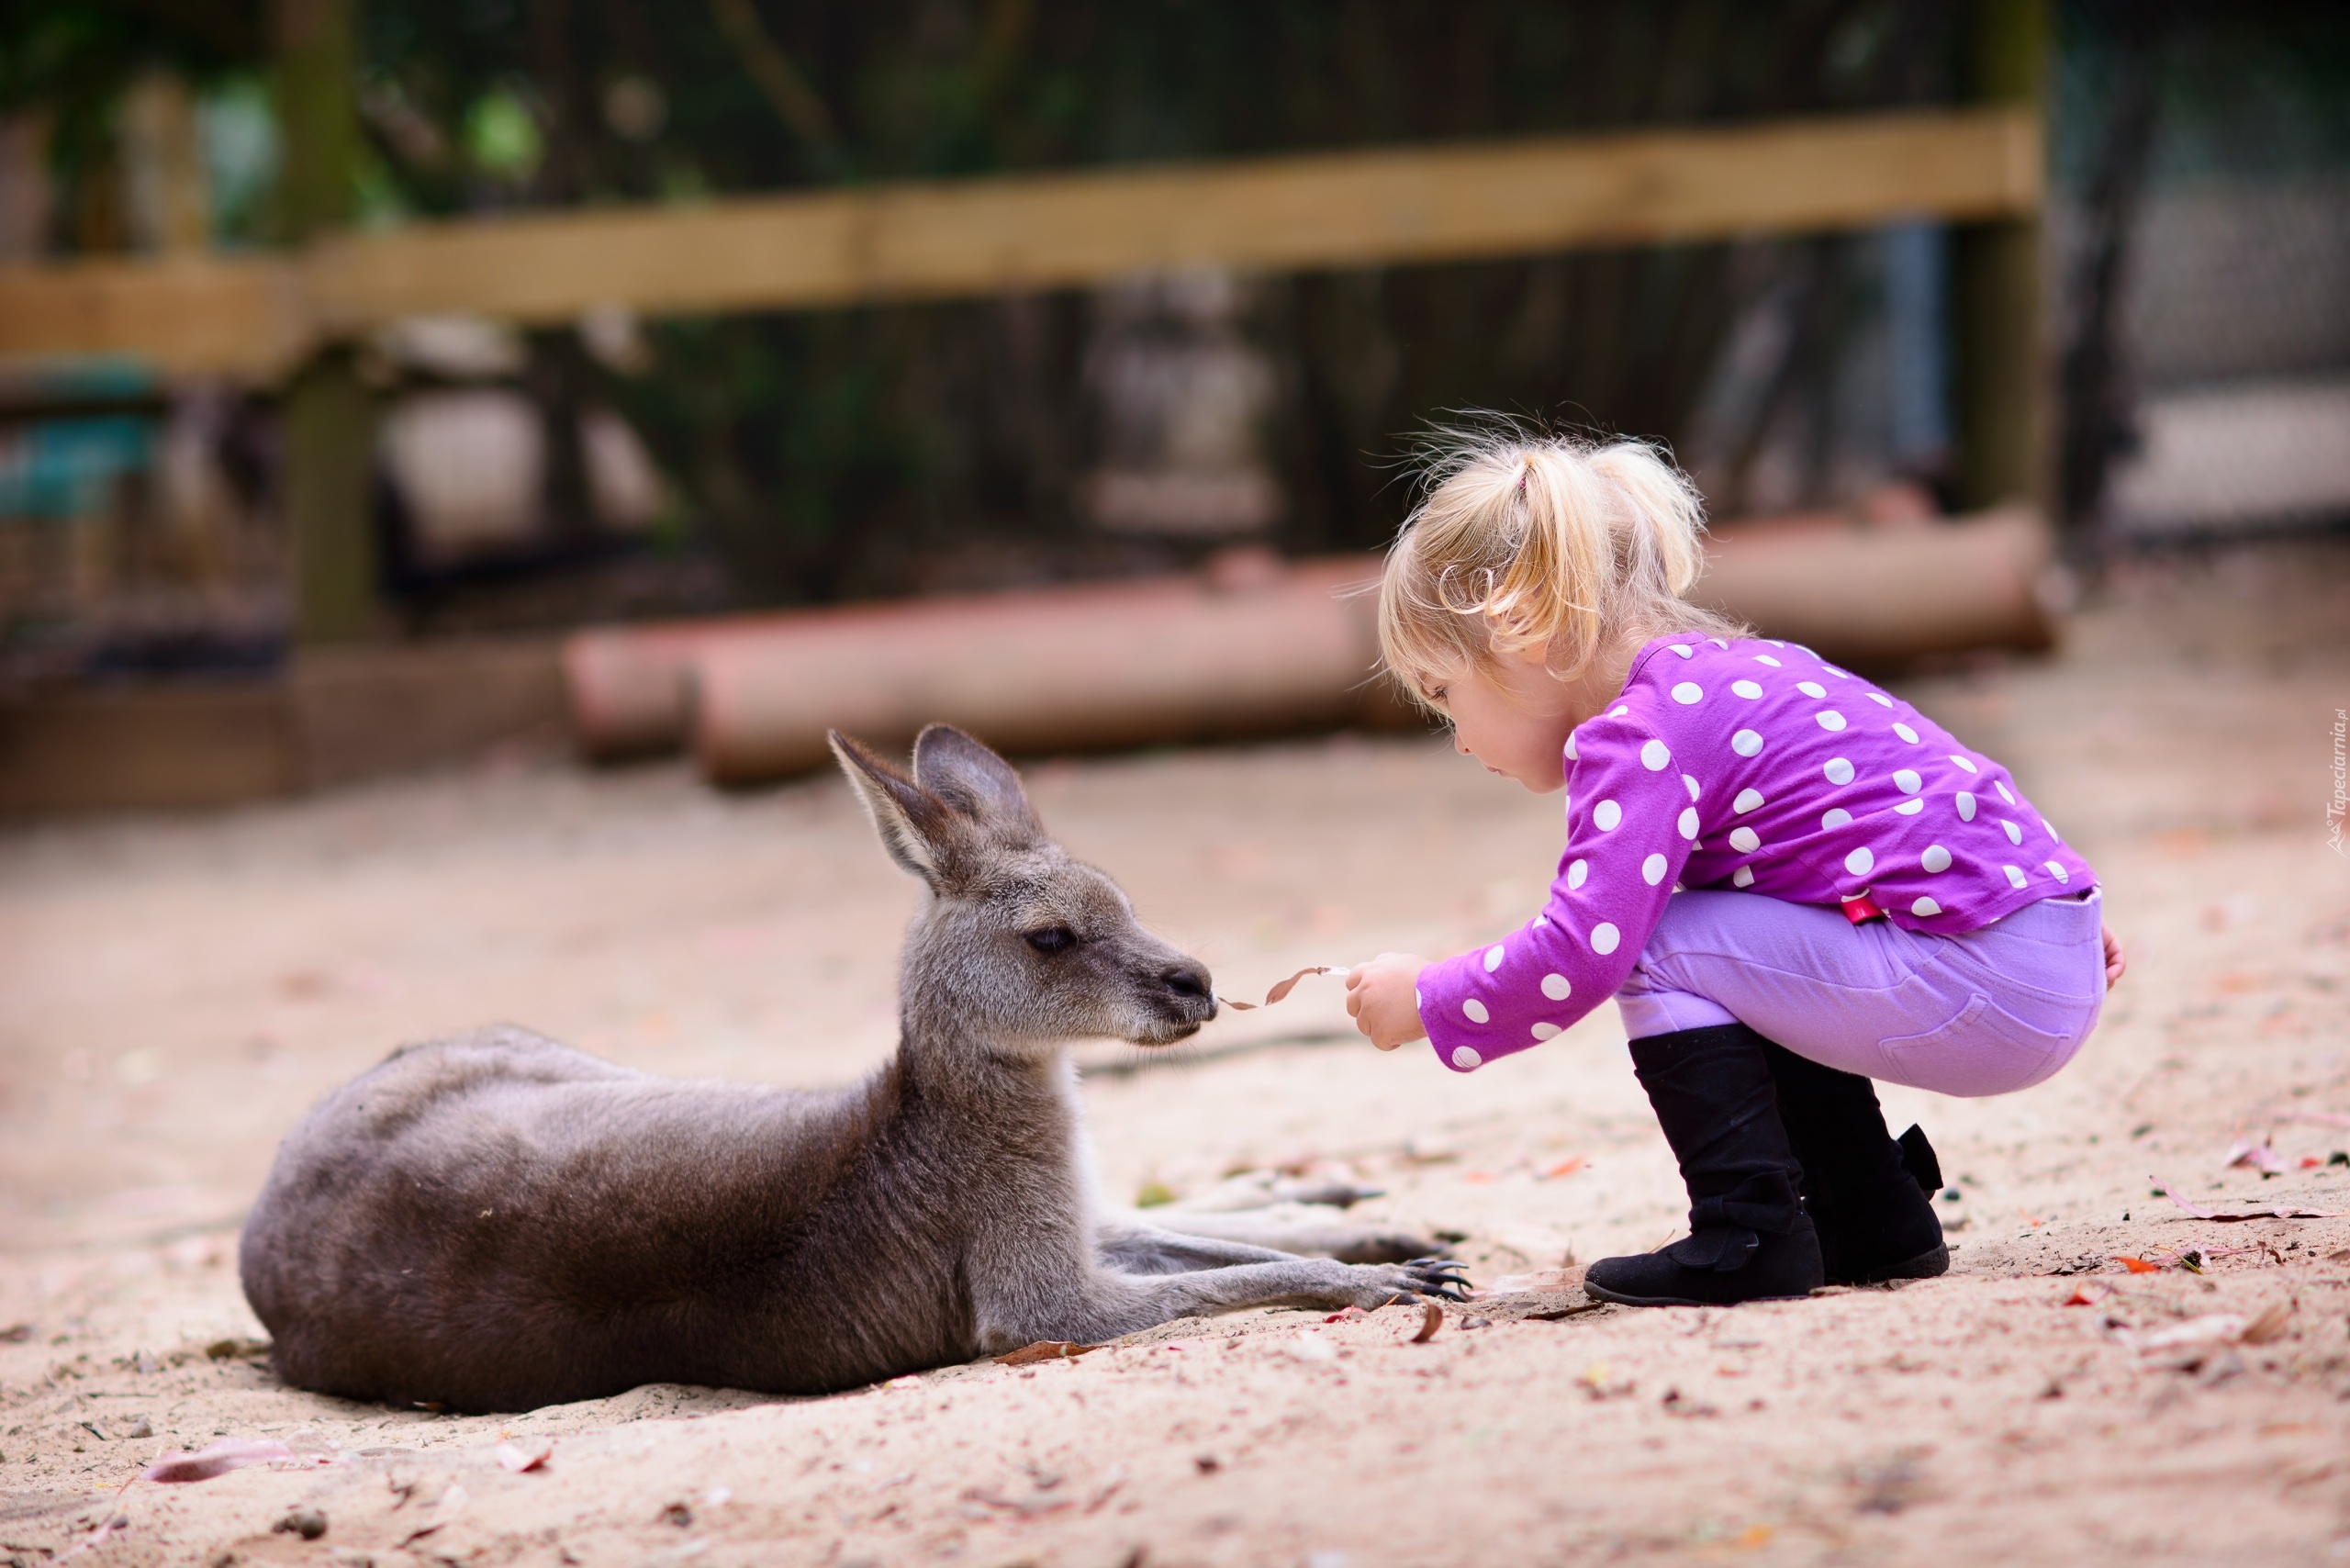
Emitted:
<point x="256" y="316"/>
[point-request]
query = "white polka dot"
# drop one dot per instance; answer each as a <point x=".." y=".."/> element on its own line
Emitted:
<point x="1745" y="840"/>
<point x="1466" y="1056"/>
<point x="1746" y="742"/>
<point x="1688" y="823"/>
<point x="1684" y="649"/>
<point x="1925" y="907"/>
<point x="1557" y="987"/>
<point x="1717" y="642"/>
<point x="2056" y="869"/>
<point x="1836" y="817"/>
<point x="1545" y="1031"/>
<point x="1935" y="859"/>
<point x="1691" y="785"/>
<point x="1908" y="780"/>
<point x="1859" y="862"/>
<point x="1577" y="872"/>
<point x="2002" y="789"/>
<point x="1831" y="720"/>
<point x="1965" y="807"/>
<point x="1906" y="733"/>
<point x="1766" y="659"/>
<point x="2014" y="875"/>
<point x="1494" y="957"/>
<point x="1474" y="1011"/>
<point x="1963" y="764"/>
<point x="1747" y="801"/>
<point x="1653" y="756"/>
<point x="1880" y="698"/>
<point x="1652" y="869"/>
<point x="1742" y="878"/>
<point x="1838" y="769"/>
<point x="1689" y="691"/>
<point x="1746" y="688"/>
<point x="1572" y="755"/>
<point x="1417" y="1000"/>
<point x="1603" y="938"/>
<point x="1909" y="807"/>
<point x="2015" y="834"/>
<point x="1605" y="815"/>
<point x="1617" y="711"/>
<point x="2052" y="830"/>
<point x="1811" y="688"/>
<point x="1544" y="919"/>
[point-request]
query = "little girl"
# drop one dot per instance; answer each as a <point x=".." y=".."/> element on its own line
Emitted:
<point x="1791" y="881"/>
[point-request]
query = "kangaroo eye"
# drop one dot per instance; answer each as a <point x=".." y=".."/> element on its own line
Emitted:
<point x="1052" y="939"/>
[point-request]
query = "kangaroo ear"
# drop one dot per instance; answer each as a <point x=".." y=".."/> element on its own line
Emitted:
<point x="974" y="780"/>
<point x="914" y="825"/>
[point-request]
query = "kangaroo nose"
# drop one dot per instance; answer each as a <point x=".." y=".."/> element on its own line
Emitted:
<point x="1187" y="979"/>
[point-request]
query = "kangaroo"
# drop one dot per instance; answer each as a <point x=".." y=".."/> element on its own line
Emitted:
<point x="498" y="1222"/>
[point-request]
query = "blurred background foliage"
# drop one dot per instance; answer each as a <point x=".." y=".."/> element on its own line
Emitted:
<point x="818" y="455"/>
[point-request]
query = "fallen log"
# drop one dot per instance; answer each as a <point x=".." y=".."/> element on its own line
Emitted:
<point x="1263" y="649"/>
<point x="1129" y="664"/>
<point x="1882" y="595"/>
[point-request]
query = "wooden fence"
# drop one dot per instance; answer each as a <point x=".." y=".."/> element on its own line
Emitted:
<point x="256" y="317"/>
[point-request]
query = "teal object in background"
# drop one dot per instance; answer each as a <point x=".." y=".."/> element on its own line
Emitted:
<point x="58" y="468"/>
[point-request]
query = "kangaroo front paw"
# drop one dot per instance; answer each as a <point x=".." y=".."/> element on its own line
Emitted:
<point x="1379" y="1283"/>
<point x="1445" y="1277"/>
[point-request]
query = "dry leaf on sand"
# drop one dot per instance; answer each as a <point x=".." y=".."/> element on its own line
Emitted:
<point x="2259" y="1156"/>
<point x="2224" y="1327"/>
<point x="2287" y="1210"/>
<point x="1044" y="1350"/>
<point x="1431" y="1319"/>
<point x="1541" y="1281"/>
<point x="520" y="1459"/>
<point x="218" y="1459"/>
<point x="2269" y="1325"/>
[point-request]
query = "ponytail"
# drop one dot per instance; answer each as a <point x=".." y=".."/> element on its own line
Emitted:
<point x="1553" y="543"/>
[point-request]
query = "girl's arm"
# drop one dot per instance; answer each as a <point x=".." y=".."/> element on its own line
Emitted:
<point x="1631" y="824"/>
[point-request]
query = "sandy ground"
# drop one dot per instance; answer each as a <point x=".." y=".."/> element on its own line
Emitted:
<point x="173" y="993"/>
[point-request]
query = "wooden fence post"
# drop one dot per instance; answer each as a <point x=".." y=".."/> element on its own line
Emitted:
<point x="2004" y="417"/>
<point x="328" y="416"/>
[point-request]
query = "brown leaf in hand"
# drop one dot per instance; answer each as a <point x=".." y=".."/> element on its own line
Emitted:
<point x="1282" y="990"/>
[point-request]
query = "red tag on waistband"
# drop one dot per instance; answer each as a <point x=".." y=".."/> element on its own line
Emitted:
<point x="1860" y="910"/>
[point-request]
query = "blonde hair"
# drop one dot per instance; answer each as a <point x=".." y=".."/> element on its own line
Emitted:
<point x="1528" y="539"/>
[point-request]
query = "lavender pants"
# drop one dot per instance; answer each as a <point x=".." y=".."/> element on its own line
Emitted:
<point x="1985" y="1013"/>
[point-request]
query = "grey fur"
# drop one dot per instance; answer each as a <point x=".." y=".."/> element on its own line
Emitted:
<point x="498" y="1222"/>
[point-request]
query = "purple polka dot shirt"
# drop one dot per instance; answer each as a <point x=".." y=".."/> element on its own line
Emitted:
<point x="1750" y="765"/>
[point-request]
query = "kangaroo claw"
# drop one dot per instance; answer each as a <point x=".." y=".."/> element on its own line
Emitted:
<point x="1444" y="1280"/>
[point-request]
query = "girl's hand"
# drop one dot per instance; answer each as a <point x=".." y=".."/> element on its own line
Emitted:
<point x="2116" y="961"/>
<point x="1380" y="999"/>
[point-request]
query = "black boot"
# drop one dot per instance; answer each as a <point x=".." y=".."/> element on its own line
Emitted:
<point x="1870" y="1196"/>
<point x="1750" y="1240"/>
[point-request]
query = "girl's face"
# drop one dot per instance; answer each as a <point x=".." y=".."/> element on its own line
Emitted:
<point x="1513" y="716"/>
